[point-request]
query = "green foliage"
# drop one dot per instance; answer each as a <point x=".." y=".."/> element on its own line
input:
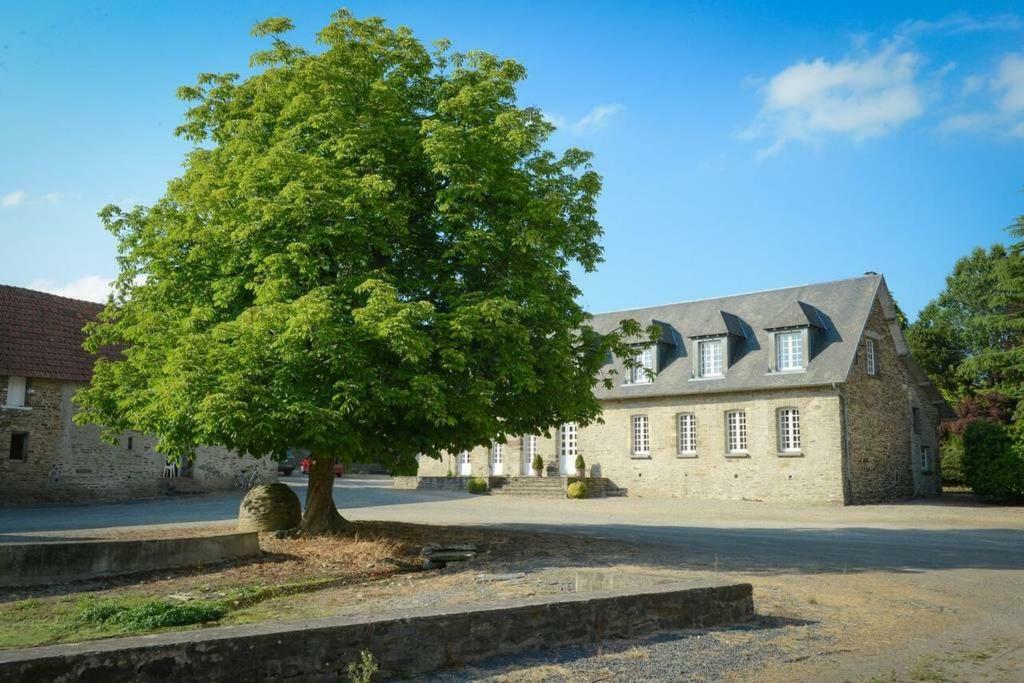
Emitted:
<point x="476" y="485"/>
<point x="577" y="489"/>
<point x="959" y="337"/>
<point x="367" y="255"/>
<point x="581" y="465"/>
<point x="363" y="670"/>
<point x="152" y="614"/>
<point x="992" y="462"/>
<point x="538" y="463"/>
<point x="952" y="454"/>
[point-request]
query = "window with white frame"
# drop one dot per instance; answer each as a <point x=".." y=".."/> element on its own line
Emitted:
<point x="641" y="435"/>
<point x="736" y="431"/>
<point x="464" y="457"/>
<point x="17" y="388"/>
<point x="529" y="447"/>
<point x="497" y="453"/>
<point x="711" y="357"/>
<point x="789" y="351"/>
<point x="644" y="369"/>
<point x="686" y="424"/>
<point x="567" y="440"/>
<point x="789" y="430"/>
<point x="926" y="459"/>
<point x="869" y="356"/>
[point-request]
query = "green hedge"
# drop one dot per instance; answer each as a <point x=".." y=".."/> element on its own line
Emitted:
<point x="992" y="462"/>
<point x="477" y="485"/>
<point x="952" y="458"/>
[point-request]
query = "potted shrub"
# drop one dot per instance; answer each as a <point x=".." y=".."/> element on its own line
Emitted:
<point x="581" y="466"/>
<point x="476" y="485"/>
<point x="538" y="464"/>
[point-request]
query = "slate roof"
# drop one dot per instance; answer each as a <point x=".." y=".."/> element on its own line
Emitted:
<point x="41" y="335"/>
<point x="839" y="309"/>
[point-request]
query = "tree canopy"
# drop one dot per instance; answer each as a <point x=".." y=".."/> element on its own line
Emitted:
<point x="368" y="255"/>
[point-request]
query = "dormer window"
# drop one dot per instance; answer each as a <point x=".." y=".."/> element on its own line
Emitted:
<point x="711" y="355"/>
<point x="789" y="351"/>
<point x="644" y="369"/>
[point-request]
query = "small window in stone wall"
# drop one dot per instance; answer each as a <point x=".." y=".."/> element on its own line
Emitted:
<point x="19" y="446"/>
<point x="915" y="416"/>
<point x="926" y="459"/>
<point x="130" y="443"/>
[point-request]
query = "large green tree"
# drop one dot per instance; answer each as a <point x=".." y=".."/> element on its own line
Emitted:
<point x="368" y="255"/>
<point x="957" y="334"/>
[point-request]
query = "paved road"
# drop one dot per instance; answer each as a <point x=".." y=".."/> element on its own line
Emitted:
<point x="735" y="536"/>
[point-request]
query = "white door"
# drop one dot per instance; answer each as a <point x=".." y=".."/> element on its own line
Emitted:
<point x="465" y="464"/>
<point x="529" y="450"/>
<point x="497" y="459"/>
<point x="567" y="448"/>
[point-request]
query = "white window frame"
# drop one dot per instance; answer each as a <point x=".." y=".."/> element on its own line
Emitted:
<point x="789" y="430"/>
<point x="17" y="392"/>
<point x="497" y="454"/>
<point x="926" y="457"/>
<point x="644" y="358"/>
<point x="789" y="351"/>
<point x="736" y="432"/>
<point x="686" y="434"/>
<point x="719" y="358"/>
<point x="870" y="357"/>
<point x="567" y="443"/>
<point x="641" y="435"/>
<point x="530" y="447"/>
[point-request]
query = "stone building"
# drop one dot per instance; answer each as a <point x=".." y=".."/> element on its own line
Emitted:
<point x="802" y="394"/>
<point x="44" y="456"/>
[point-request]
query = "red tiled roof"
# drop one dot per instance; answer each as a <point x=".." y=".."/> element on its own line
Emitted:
<point x="41" y="335"/>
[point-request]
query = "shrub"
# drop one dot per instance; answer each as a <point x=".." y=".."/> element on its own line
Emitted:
<point x="363" y="670"/>
<point x="992" y="466"/>
<point x="152" y="614"/>
<point x="952" y="458"/>
<point x="477" y="485"/>
<point x="577" y="489"/>
<point x="538" y="463"/>
<point x="581" y="466"/>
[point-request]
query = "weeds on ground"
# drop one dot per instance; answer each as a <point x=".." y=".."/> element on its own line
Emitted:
<point x="363" y="670"/>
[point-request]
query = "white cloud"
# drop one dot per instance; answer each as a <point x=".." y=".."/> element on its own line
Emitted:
<point x="1001" y="109"/>
<point x="962" y="23"/>
<point x="12" y="199"/>
<point x="857" y="97"/>
<point x="1009" y="82"/>
<point x="596" y="119"/>
<point x="88" y="288"/>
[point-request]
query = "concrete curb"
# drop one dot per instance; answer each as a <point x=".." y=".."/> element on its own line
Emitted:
<point x="404" y="644"/>
<point x="31" y="564"/>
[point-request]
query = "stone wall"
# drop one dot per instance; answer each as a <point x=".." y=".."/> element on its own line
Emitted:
<point x="813" y="475"/>
<point x="405" y="644"/>
<point x="67" y="462"/>
<point x="35" y="564"/>
<point x="884" y="452"/>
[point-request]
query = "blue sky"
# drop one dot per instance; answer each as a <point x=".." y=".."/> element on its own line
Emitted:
<point x="742" y="147"/>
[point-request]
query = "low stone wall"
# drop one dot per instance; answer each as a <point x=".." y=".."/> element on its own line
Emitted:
<point x="437" y="483"/>
<point x="30" y="564"/>
<point x="404" y="644"/>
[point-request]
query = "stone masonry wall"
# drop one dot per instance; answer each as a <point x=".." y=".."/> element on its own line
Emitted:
<point x="67" y="462"/>
<point x="813" y="475"/>
<point x="884" y="451"/>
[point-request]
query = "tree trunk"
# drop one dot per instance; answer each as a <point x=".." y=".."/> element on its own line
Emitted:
<point x="321" y="515"/>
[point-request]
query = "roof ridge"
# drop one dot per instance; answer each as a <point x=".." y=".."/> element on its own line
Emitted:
<point x="50" y="294"/>
<point x="740" y="294"/>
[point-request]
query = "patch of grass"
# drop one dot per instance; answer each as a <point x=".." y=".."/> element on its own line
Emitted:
<point x="923" y="671"/>
<point x="812" y="601"/>
<point x="152" y="614"/>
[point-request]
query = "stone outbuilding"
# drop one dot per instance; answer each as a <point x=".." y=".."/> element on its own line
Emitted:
<point x="44" y="456"/>
<point x="804" y="394"/>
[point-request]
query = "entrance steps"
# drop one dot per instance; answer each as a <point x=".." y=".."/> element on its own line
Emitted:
<point x="533" y="487"/>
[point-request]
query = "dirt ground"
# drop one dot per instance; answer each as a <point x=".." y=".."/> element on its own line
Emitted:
<point x="815" y="626"/>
